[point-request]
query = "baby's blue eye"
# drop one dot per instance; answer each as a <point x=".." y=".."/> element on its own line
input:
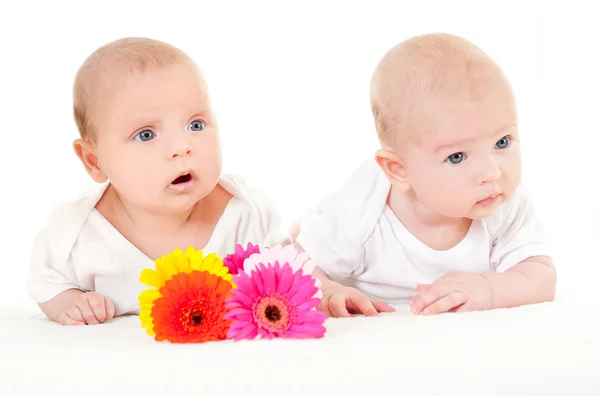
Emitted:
<point x="503" y="143"/>
<point x="196" y="126"/>
<point x="145" y="135"/>
<point x="455" y="158"/>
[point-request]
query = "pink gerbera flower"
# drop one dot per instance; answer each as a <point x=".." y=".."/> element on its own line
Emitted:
<point x="273" y="300"/>
<point x="299" y="261"/>
<point x="235" y="261"/>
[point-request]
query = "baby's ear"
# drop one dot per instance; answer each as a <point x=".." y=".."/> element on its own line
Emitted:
<point x="393" y="167"/>
<point x="87" y="155"/>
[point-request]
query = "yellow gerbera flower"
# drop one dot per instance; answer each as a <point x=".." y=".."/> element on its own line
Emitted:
<point x="176" y="262"/>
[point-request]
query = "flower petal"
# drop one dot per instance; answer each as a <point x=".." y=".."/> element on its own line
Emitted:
<point x="240" y="297"/>
<point x="257" y="281"/>
<point x="307" y="331"/>
<point x="232" y="314"/>
<point x="269" y="279"/>
<point x="148" y="296"/>
<point x="249" y="332"/>
<point x="285" y="279"/>
<point x="166" y="267"/>
<point x="312" y="316"/>
<point x="208" y="263"/>
<point x="152" y="278"/>
<point x="309" y="304"/>
<point x="196" y="260"/>
<point x="303" y="292"/>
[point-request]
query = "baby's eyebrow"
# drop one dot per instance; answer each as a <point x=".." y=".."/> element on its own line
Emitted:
<point x="445" y="146"/>
<point x="502" y="130"/>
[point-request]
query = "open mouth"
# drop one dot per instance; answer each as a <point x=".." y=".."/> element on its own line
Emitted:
<point x="182" y="179"/>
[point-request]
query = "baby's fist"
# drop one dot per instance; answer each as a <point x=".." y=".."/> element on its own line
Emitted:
<point x="88" y="308"/>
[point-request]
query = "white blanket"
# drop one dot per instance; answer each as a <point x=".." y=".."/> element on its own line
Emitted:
<point x="545" y="349"/>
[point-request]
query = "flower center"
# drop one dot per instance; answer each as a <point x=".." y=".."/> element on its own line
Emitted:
<point x="272" y="313"/>
<point x="197" y="318"/>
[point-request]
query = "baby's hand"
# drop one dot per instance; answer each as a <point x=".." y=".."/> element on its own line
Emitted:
<point x="339" y="301"/>
<point x="454" y="292"/>
<point x="88" y="308"/>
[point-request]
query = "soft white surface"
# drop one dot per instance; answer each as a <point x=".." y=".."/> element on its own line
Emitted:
<point x="547" y="349"/>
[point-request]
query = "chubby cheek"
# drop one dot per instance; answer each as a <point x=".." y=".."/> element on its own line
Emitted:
<point x="139" y="180"/>
<point x="511" y="175"/>
<point x="452" y="197"/>
<point x="442" y="193"/>
<point x="209" y="162"/>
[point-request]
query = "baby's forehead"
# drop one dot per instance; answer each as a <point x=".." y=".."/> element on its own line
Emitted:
<point x="416" y="76"/>
<point x="444" y="122"/>
<point x="124" y="58"/>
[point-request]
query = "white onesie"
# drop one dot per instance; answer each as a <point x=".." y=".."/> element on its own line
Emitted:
<point x="79" y="248"/>
<point x="356" y="238"/>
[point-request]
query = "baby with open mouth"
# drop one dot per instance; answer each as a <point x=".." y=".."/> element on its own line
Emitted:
<point x="149" y="137"/>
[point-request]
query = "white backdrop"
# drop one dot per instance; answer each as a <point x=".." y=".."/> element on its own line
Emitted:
<point x="289" y="82"/>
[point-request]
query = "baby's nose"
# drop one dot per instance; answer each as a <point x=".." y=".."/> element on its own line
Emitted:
<point x="491" y="174"/>
<point x="182" y="149"/>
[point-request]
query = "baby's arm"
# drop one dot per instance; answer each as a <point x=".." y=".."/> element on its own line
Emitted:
<point x="529" y="282"/>
<point x="340" y="301"/>
<point x="524" y="270"/>
<point x="53" y="284"/>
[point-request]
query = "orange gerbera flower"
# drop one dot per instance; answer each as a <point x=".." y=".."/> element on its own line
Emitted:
<point x="187" y="301"/>
<point x="191" y="308"/>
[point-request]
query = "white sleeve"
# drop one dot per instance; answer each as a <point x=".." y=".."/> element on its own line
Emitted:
<point x="330" y="241"/>
<point x="334" y="236"/>
<point x="519" y="234"/>
<point x="49" y="274"/>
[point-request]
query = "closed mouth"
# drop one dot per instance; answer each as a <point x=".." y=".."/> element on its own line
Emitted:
<point x="489" y="198"/>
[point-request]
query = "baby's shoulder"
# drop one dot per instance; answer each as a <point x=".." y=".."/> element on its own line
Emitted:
<point x="75" y="209"/>
<point x="356" y="205"/>
<point x="248" y="197"/>
<point x="61" y="228"/>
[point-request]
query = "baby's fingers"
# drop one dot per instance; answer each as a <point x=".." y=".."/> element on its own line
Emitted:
<point x="380" y="306"/>
<point x="446" y="303"/>
<point x="71" y="317"/>
<point x="98" y="307"/>
<point x="110" y="308"/>
<point x="361" y="303"/>
<point x="337" y="306"/>
<point x="324" y="305"/>
<point x="86" y="310"/>
<point x="427" y="296"/>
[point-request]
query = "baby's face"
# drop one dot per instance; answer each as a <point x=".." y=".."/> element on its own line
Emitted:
<point x="158" y="139"/>
<point x="466" y="161"/>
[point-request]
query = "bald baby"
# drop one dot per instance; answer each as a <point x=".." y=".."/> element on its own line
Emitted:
<point x="150" y="138"/>
<point x="437" y="220"/>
